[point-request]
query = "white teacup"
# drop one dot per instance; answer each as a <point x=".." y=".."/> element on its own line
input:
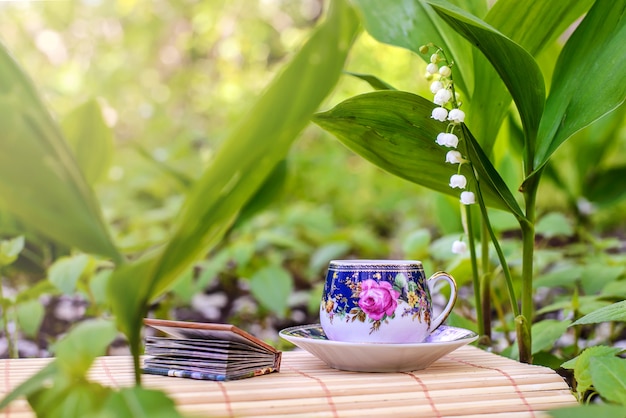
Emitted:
<point x="380" y="301"/>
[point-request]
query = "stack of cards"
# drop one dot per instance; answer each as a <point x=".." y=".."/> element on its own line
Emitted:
<point x="207" y="351"/>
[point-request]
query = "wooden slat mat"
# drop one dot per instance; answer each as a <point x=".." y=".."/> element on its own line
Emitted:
<point x="468" y="382"/>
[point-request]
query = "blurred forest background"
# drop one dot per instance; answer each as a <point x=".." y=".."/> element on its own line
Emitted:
<point x="172" y="77"/>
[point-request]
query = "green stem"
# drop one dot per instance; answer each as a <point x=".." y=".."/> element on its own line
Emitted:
<point x="475" y="275"/>
<point x="496" y="244"/>
<point x="486" y="279"/>
<point x="528" y="249"/>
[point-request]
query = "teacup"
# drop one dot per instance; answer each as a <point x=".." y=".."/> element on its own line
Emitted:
<point x="380" y="301"/>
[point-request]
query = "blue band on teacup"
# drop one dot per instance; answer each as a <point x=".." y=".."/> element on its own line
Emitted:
<point x="374" y="265"/>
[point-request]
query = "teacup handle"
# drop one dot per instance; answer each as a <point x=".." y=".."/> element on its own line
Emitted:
<point x="446" y="311"/>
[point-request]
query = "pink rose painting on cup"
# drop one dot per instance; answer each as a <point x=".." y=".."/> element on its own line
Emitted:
<point x="375" y="296"/>
<point x="378" y="299"/>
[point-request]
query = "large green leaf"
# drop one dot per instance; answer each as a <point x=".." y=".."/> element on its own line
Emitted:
<point x="90" y="138"/>
<point x="533" y="25"/>
<point x="394" y="130"/>
<point x="514" y="65"/>
<point x="239" y="168"/>
<point x="40" y="182"/>
<point x="412" y="23"/>
<point x="259" y="143"/>
<point x="589" y="79"/>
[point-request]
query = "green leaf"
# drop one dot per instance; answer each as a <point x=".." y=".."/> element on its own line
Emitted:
<point x="68" y="398"/>
<point x="412" y="23"/>
<point x="90" y="138"/>
<point x="238" y="169"/>
<point x="98" y="286"/>
<point x="546" y="333"/>
<point x="515" y="66"/>
<point x="614" y="312"/>
<point x="581" y="365"/>
<point x="576" y="99"/>
<point x="261" y="140"/>
<point x="565" y="276"/>
<point x="586" y="411"/>
<point x="30" y="315"/>
<point x="77" y="350"/>
<point x="373" y="81"/>
<point x="586" y="304"/>
<point x="394" y="130"/>
<point x="597" y="275"/>
<point x="554" y="224"/>
<point x="596" y="351"/>
<point x="609" y="378"/>
<point x="535" y="25"/>
<point x="269" y="191"/>
<point x="489" y="176"/>
<point x="271" y="286"/>
<point x="531" y="24"/>
<point x="52" y="195"/>
<point x="606" y="187"/>
<point x="10" y="249"/>
<point x="66" y="271"/>
<point x="138" y="402"/>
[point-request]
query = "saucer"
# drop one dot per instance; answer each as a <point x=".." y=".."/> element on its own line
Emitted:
<point x="367" y="357"/>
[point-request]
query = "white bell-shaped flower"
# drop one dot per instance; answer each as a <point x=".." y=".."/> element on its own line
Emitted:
<point x="436" y="86"/>
<point x="432" y="68"/>
<point x="459" y="247"/>
<point x="468" y="198"/>
<point x="447" y="140"/>
<point x="456" y="116"/>
<point x="454" y="157"/>
<point x="440" y="114"/>
<point x="458" y="181"/>
<point x="442" y="97"/>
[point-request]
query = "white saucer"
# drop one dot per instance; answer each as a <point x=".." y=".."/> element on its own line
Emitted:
<point x="367" y="357"/>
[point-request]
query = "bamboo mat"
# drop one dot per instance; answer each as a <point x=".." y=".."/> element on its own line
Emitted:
<point x="468" y="382"/>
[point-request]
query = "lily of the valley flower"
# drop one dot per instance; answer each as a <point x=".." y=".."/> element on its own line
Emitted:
<point x="440" y="114"/>
<point x="432" y="68"/>
<point x="458" y="181"/>
<point x="459" y="247"/>
<point x="445" y="71"/>
<point x="468" y="198"/>
<point x="447" y="140"/>
<point x="454" y="157"/>
<point x="436" y="86"/>
<point x="442" y="97"/>
<point x="456" y="116"/>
